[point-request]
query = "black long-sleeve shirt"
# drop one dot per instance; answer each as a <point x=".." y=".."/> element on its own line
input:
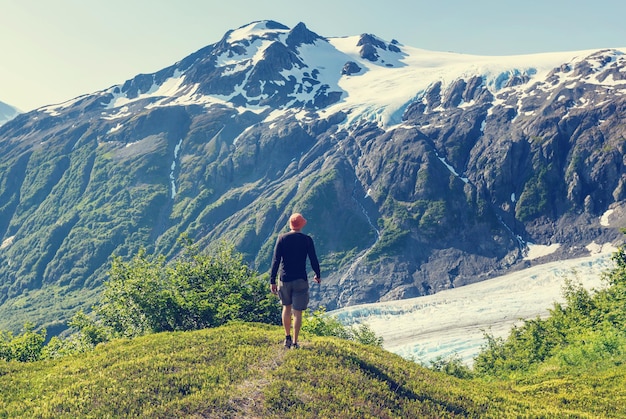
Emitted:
<point x="290" y="255"/>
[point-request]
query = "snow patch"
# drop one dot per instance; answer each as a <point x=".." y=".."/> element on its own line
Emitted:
<point x="55" y="110"/>
<point x="254" y="29"/>
<point x="173" y="167"/>
<point x="254" y="53"/>
<point x="122" y="112"/>
<point x="116" y="128"/>
<point x="535" y="251"/>
<point x="452" y="170"/>
<point x="7" y="242"/>
<point x="604" y="219"/>
<point x="168" y="88"/>
<point x="595" y="248"/>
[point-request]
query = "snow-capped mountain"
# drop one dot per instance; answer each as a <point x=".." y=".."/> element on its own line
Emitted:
<point x="7" y="112"/>
<point x="268" y="67"/>
<point x="419" y="171"/>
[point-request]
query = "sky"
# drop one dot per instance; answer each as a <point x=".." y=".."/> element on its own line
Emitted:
<point x="53" y="51"/>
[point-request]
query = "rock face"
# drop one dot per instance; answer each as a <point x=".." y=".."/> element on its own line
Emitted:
<point x="350" y="68"/>
<point x="416" y="174"/>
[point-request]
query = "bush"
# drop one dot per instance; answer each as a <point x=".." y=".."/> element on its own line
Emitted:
<point x="197" y="290"/>
<point x="320" y="323"/>
<point x="25" y="347"/>
<point x="452" y="365"/>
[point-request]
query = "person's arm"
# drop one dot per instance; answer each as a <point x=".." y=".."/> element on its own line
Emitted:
<point x="275" y="265"/>
<point x="315" y="264"/>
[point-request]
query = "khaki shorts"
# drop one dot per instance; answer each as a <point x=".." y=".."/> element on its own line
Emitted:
<point x="294" y="293"/>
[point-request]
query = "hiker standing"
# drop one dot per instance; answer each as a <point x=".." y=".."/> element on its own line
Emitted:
<point x="290" y="254"/>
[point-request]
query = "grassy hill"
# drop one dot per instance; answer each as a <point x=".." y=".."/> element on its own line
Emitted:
<point x="241" y="370"/>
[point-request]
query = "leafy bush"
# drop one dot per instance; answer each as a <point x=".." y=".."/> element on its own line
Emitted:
<point x="25" y="347"/>
<point x="320" y="323"/>
<point x="87" y="333"/>
<point x="196" y="290"/>
<point x="452" y="365"/>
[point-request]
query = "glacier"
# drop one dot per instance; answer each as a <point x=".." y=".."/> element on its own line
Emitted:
<point x="453" y="322"/>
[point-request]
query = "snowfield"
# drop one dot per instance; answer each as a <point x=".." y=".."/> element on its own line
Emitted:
<point x="454" y="321"/>
<point x="381" y="91"/>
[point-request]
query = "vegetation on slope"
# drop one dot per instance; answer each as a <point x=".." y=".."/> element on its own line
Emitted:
<point x="241" y="370"/>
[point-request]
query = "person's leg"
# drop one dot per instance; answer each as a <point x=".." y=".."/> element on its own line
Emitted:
<point x="300" y="303"/>
<point x="297" y="323"/>
<point x="284" y="292"/>
<point x="287" y="319"/>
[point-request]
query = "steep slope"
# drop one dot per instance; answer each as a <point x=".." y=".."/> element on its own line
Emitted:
<point x="418" y="171"/>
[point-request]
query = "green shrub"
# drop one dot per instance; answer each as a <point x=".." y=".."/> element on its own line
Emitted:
<point x="452" y="365"/>
<point x="25" y="347"/>
<point x="196" y="290"/>
<point x="320" y="323"/>
<point x="87" y="333"/>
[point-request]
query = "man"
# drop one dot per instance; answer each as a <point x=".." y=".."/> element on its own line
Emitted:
<point x="290" y="255"/>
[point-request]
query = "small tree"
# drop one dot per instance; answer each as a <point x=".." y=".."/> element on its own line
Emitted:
<point x="86" y="334"/>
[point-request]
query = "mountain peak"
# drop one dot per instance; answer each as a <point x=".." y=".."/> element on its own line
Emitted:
<point x="299" y="35"/>
<point x="272" y="67"/>
<point x="264" y="29"/>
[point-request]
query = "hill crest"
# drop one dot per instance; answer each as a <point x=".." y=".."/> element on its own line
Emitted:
<point x="241" y="370"/>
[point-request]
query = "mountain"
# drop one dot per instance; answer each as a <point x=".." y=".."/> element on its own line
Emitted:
<point x="418" y="171"/>
<point x="7" y="112"/>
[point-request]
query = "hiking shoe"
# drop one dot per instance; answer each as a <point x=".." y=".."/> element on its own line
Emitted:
<point x="287" y="342"/>
<point x="295" y="346"/>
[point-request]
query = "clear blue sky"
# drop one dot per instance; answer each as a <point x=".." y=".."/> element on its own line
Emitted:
<point x="55" y="50"/>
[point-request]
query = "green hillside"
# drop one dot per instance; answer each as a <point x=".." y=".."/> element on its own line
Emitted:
<point x="241" y="370"/>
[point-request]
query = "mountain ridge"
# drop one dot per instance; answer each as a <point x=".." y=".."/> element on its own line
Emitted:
<point x="7" y="112"/>
<point x="418" y="171"/>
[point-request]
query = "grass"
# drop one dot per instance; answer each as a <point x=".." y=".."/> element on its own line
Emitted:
<point x="241" y="370"/>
